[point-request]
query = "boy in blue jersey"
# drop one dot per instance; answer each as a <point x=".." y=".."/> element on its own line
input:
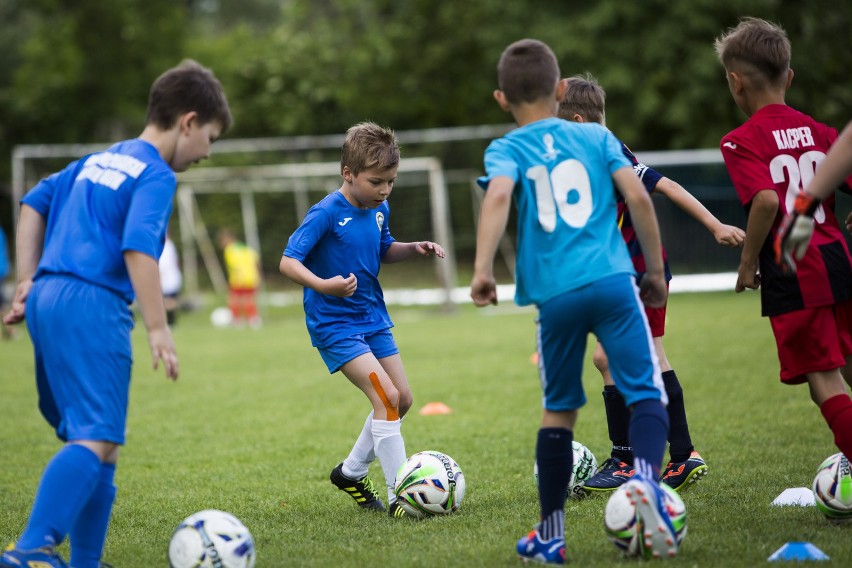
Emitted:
<point x="88" y="241"/>
<point x="585" y="101"/>
<point x="336" y="254"/>
<point x="573" y="265"/>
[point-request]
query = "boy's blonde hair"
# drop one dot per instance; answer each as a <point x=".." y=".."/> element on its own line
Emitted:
<point x="583" y="96"/>
<point x="367" y="146"/>
<point x="757" y="48"/>
<point x="527" y="71"/>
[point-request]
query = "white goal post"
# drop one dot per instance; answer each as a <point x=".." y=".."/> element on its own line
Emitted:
<point x="290" y="178"/>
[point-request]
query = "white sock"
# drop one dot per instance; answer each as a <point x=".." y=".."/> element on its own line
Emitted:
<point x="390" y="449"/>
<point x="357" y="464"/>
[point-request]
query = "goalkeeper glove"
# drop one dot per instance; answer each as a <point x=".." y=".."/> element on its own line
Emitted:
<point x="795" y="232"/>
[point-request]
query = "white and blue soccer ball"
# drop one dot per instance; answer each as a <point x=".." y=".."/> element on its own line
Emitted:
<point x="221" y="317"/>
<point x="624" y="528"/>
<point x="584" y="466"/>
<point x="430" y="483"/>
<point x="833" y="488"/>
<point x="211" y="539"/>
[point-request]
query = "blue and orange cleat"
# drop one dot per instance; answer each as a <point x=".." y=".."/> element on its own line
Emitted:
<point x="532" y="549"/>
<point x="681" y="475"/>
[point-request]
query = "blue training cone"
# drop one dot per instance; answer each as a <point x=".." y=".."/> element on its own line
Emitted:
<point x="798" y="551"/>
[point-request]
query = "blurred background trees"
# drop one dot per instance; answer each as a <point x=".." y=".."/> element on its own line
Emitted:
<point x="79" y="71"/>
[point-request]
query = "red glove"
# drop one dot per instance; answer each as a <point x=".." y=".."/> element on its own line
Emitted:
<point x="795" y="232"/>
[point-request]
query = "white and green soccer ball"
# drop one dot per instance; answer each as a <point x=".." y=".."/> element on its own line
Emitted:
<point x="624" y="528"/>
<point x="584" y="466"/>
<point x="833" y="488"/>
<point x="430" y="483"/>
<point x="211" y="539"/>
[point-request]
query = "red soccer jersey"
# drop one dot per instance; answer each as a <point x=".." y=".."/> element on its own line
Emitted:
<point x="779" y="148"/>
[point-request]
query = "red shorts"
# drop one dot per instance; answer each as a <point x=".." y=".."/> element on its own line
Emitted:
<point x="656" y="321"/>
<point x="813" y="339"/>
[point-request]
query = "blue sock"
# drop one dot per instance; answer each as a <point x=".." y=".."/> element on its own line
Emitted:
<point x="649" y="430"/>
<point x="554" y="455"/>
<point x="89" y="532"/>
<point x="66" y="484"/>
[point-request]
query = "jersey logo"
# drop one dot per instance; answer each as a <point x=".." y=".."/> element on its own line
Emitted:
<point x="730" y="145"/>
<point x="380" y="219"/>
<point x="549" y="151"/>
<point x="345" y="220"/>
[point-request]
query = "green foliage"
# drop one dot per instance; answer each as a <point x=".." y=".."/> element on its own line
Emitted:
<point x="255" y="424"/>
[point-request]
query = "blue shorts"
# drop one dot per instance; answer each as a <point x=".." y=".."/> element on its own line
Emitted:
<point x="611" y="309"/>
<point x="81" y="340"/>
<point x="380" y="343"/>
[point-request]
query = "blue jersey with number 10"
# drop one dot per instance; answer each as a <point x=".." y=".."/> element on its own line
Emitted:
<point x="567" y="231"/>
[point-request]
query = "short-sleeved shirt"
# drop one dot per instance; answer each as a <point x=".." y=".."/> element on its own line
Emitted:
<point x="566" y="204"/>
<point x="338" y="239"/>
<point x="779" y="148"/>
<point x="100" y="206"/>
<point x="242" y="263"/>
<point x="649" y="178"/>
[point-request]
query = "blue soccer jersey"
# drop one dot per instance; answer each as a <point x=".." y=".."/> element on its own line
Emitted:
<point x="101" y="206"/>
<point x="565" y="197"/>
<point x="338" y="239"/>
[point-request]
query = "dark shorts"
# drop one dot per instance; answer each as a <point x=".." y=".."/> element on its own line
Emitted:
<point x="812" y="339"/>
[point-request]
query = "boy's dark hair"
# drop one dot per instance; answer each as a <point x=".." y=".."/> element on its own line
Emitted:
<point x="756" y="45"/>
<point x="186" y="88"/>
<point x="583" y="96"/>
<point x="527" y="71"/>
<point x="369" y="145"/>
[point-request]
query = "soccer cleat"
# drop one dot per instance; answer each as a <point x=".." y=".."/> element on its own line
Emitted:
<point x="36" y="558"/>
<point x="611" y="475"/>
<point x="532" y="549"/>
<point x="681" y="475"/>
<point x="361" y="490"/>
<point x="659" y="539"/>
<point x="397" y="512"/>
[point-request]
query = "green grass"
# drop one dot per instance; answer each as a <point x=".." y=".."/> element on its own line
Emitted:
<point x="255" y="424"/>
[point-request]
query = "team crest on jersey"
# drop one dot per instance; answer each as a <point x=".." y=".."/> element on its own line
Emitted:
<point x="550" y="151"/>
<point x="380" y="219"/>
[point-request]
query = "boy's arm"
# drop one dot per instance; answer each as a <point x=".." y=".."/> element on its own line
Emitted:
<point x="724" y="234"/>
<point x="29" y="243"/>
<point x="145" y="276"/>
<point x="652" y="286"/>
<point x="398" y="251"/>
<point x="493" y="217"/>
<point x="764" y="208"/>
<point x="300" y="274"/>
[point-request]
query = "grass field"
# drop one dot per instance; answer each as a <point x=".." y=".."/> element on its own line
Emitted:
<point x="255" y="424"/>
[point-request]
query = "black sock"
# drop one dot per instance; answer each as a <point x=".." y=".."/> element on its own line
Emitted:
<point x="680" y="443"/>
<point x="554" y="456"/>
<point x="618" y="423"/>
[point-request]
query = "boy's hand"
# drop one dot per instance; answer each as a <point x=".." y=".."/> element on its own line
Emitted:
<point x="19" y="303"/>
<point x="729" y="235"/>
<point x="427" y="248"/>
<point x="341" y="287"/>
<point x="163" y="348"/>
<point x="652" y="289"/>
<point x="483" y="290"/>
<point x="747" y="277"/>
<point x="795" y="232"/>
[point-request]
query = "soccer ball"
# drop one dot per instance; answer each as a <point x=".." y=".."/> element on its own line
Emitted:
<point x="211" y="539"/>
<point x="221" y="317"/>
<point x="584" y="466"/>
<point x="429" y="483"/>
<point x="623" y="528"/>
<point x="833" y="488"/>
